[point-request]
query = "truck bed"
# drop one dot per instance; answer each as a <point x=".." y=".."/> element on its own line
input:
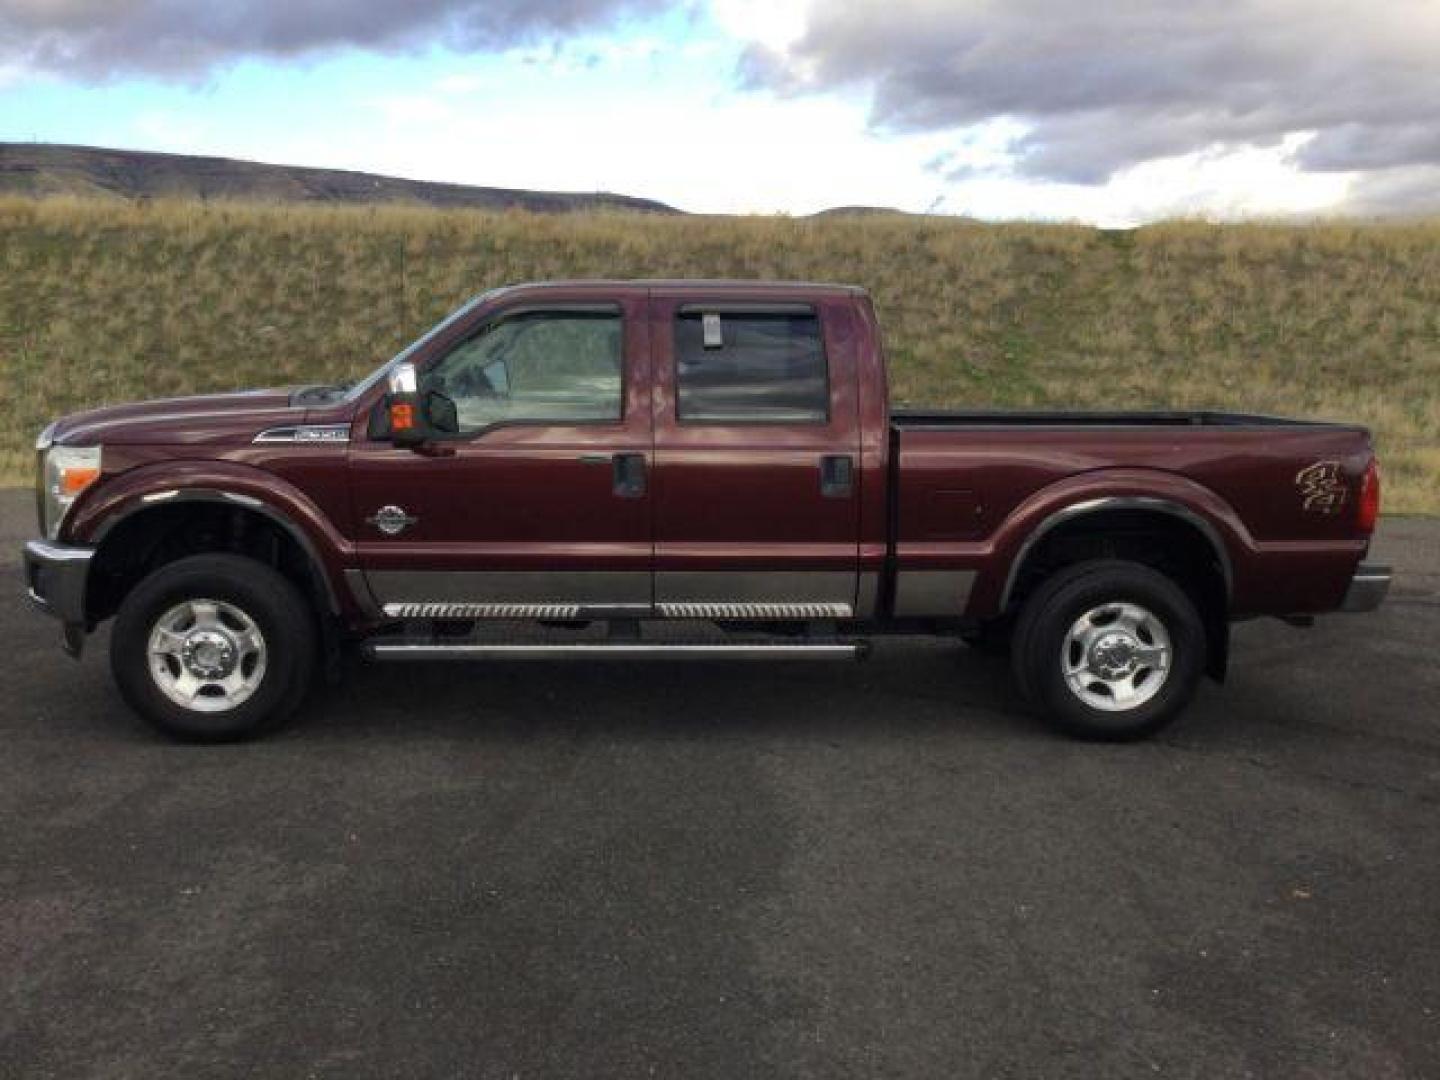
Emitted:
<point x="964" y="481"/>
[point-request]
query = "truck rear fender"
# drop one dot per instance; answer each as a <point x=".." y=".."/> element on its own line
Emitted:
<point x="1110" y="513"/>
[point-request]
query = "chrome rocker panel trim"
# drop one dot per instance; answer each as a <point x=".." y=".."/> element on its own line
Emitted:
<point x="447" y="610"/>
<point x="754" y="610"/>
<point x="689" y="610"/>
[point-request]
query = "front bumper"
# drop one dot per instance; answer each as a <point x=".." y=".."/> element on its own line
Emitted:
<point x="1367" y="588"/>
<point x="56" y="576"/>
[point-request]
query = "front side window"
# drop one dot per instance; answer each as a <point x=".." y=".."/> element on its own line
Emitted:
<point x="557" y="366"/>
<point x="750" y="367"/>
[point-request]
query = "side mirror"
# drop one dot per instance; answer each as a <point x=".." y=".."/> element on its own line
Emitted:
<point x="440" y="413"/>
<point x="407" y="418"/>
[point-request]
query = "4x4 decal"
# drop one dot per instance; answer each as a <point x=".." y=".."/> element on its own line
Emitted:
<point x="1322" y="487"/>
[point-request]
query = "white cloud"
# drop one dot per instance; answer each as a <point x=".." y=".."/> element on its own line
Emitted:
<point x="738" y="155"/>
<point x="775" y="24"/>
<point x="1239" y="184"/>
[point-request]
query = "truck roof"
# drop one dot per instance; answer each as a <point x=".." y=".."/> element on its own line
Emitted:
<point x="706" y="285"/>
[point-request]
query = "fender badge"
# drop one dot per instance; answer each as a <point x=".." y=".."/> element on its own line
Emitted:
<point x="1322" y="488"/>
<point x="392" y="520"/>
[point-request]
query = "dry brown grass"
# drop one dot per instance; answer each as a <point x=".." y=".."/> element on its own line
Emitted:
<point x="102" y="302"/>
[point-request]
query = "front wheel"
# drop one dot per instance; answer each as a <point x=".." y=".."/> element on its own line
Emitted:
<point x="1109" y="649"/>
<point x="213" y="648"/>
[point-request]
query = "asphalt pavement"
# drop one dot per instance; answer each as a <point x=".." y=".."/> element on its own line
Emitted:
<point x="709" y="869"/>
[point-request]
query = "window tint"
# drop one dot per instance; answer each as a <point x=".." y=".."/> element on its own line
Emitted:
<point x="549" y="365"/>
<point x="760" y="367"/>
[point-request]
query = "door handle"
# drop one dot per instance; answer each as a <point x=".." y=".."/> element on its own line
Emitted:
<point x="837" y="476"/>
<point x="629" y="474"/>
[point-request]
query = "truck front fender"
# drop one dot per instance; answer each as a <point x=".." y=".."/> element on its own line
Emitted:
<point x="230" y="483"/>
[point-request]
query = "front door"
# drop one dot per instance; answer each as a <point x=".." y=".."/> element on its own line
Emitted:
<point x="539" y="506"/>
<point x="757" y="447"/>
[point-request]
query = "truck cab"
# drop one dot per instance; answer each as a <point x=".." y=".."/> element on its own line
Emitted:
<point x="642" y="451"/>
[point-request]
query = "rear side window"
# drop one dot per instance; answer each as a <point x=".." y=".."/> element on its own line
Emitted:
<point x="750" y="368"/>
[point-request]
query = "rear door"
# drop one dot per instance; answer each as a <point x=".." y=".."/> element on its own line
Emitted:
<point x="756" y="458"/>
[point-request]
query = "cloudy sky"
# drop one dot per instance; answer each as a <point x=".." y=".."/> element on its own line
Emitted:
<point x="1112" y="111"/>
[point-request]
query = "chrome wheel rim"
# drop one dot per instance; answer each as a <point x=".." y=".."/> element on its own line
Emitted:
<point x="1116" y="657"/>
<point x="206" y="655"/>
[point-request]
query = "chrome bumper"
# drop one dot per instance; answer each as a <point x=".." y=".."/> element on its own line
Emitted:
<point x="55" y="576"/>
<point x="1367" y="588"/>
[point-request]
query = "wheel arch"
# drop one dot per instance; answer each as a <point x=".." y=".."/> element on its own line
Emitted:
<point x="1140" y="505"/>
<point x="1206" y="533"/>
<point x="152" y="497"/>
<point x="163" y="514"/>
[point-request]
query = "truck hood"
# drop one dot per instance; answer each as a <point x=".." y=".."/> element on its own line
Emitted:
<point x="208" y="418"/>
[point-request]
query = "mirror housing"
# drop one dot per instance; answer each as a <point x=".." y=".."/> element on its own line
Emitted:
<point x="440" y="413"/>
<point x="407" y="417"/>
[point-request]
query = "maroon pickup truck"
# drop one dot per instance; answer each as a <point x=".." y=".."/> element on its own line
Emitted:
<point x="682" y="468"/>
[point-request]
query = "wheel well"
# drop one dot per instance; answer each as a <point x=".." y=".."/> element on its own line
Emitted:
<point x="1165" y="542"/>
<point x="145" y="541"/>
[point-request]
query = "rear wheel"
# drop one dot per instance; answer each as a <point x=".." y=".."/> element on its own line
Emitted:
<point x="213" y="648"/>
<point x="1109" y="649"/>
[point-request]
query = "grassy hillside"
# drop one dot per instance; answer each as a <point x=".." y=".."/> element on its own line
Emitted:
<point x="105" y="301"/>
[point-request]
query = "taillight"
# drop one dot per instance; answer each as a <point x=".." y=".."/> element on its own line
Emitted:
<point x="1370" y="497"/>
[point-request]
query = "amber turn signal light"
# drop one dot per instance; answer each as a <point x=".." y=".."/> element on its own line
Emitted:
<point x="402" y="416"/>
<point x="76" y="479"/>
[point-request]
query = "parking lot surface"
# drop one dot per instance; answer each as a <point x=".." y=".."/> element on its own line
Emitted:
<point x="727" y="870"/>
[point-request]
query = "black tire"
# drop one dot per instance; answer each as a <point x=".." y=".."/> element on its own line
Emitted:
<point x="1041" y="640"/>
<point x="269" y="600"/>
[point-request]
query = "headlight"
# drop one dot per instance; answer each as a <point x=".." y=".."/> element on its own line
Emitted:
<point x="65" y="472"/>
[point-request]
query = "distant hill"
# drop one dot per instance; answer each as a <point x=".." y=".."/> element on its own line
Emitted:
<point x="862" y="212"/>
<point x="47" y="169"/>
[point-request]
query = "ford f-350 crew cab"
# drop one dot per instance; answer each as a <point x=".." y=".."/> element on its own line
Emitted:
<point x="597" y="458"/>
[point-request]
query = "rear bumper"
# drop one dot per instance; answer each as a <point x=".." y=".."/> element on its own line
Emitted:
<point x="55" y="577"/>
<point x="1367" y="588"/>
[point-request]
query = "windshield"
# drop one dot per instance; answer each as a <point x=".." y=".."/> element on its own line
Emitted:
<point x="360" y="388"/>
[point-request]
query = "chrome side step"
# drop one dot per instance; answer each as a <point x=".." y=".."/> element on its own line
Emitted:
<point x="619" y="650"/>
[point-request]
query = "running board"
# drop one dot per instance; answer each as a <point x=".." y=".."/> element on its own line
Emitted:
<point x="620" y="650"/>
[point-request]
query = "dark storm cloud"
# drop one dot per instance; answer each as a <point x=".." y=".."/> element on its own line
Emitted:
<point x="1107" y="84"/>
<point x="100" y="38"/>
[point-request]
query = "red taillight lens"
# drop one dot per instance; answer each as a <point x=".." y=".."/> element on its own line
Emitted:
<point x="1370" y="497"/>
